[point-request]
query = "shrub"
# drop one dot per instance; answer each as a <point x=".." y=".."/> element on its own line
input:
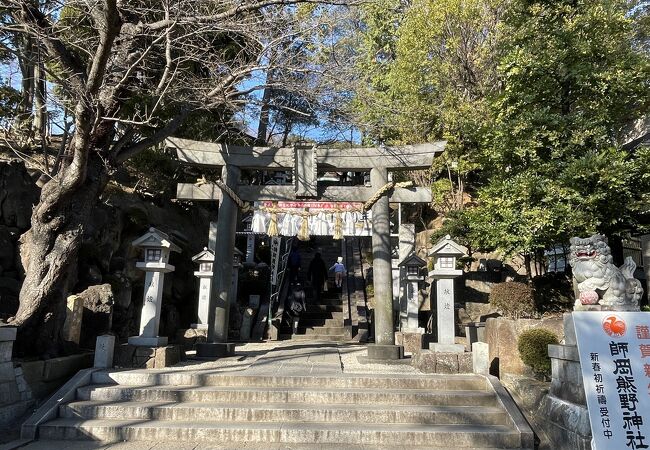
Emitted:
<point x="533" y="349"/>
<point x="513" y="299"/>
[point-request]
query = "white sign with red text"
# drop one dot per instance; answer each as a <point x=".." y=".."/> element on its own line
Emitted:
<point x="614" y="352"/>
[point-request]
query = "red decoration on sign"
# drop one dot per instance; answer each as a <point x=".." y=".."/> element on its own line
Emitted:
<point x="614" y="326"/>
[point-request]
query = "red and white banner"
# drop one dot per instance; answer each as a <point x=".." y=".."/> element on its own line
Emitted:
<point x="314" y="206"/>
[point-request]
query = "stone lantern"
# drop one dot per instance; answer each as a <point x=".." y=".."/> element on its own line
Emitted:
<point x="411" y="277"/>
<point x="157" y="247"/>
<point x="445" y="255"/>
<point x="204" y="274"/>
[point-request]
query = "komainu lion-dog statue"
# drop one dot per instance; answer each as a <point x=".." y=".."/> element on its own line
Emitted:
<point x="598" y="280"/>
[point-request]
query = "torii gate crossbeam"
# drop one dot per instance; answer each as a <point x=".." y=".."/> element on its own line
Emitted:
<point x="305" y="163"/>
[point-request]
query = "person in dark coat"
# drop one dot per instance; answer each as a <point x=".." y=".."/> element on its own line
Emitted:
<point x="294" y="262"/>
<point x="317" y="275"/>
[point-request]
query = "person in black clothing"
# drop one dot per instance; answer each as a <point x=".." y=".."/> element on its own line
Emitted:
<point x="317" y="275"/>
<point x="296" y="301"/>
<point x="294" y="264"/>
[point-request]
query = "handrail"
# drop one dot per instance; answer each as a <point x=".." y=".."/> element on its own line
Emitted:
<point x="277" y="288"/>
<point x="349" y="266"/>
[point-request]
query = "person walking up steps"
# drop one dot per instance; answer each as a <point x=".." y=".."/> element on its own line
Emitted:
<point x="317" y="276"/>
<point x="293" y="262"/>
<point x="339" y="271"/>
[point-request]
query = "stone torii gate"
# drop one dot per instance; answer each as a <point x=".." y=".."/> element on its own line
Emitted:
<point x="305" y="163"/>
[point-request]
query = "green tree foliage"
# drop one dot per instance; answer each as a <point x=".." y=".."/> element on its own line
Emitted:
<point x="572" y="83"/>
<point x="429" y="66"/>
<point x="535" y="100"/>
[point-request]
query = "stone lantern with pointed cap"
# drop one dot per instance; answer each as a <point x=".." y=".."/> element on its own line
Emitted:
<point x="204" y="259"/>
<point x="411" y="278"/>
<point x="157" y="247"/>
<point x="445" y="254"/>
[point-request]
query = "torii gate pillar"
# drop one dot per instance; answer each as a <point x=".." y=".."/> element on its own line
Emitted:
<point x="384" y="347"/>
<point x="217" y="344"/>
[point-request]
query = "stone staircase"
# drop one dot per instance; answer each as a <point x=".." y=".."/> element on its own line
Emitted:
<point x="356" y="287"/>
<point x="376" y="411"/>
<point x="324" y="321"/>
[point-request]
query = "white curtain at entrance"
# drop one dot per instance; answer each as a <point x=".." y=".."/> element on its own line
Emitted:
<point x="320" y="224"/>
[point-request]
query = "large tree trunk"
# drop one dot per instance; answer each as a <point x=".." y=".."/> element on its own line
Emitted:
<point x="49" y="252"/>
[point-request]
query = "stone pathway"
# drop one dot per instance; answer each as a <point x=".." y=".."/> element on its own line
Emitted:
<point x="270" y="358"/>
<point x="146" y="445"/>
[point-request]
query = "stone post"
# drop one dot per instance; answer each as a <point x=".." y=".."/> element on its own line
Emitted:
<point x="217" y="345"/>
<point x="73" y="317"/>
<point x="205" y="284"/>
<point x="480" y="358"/>
<point x="150" y="316"/>
<point x="104" y="351"/>
<point x="384" y="347"/>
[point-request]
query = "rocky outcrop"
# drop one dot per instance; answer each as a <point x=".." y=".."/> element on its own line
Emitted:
<point x="18" y="194"/>
<point x="503" y="336"/>
<point x="98" y="304"/>
<point x="106" y="272"/>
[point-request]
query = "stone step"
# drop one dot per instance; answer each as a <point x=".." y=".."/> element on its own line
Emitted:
<point x="259" y="395"/>
<point x="459" y="436"/>
<point x="321" y="330"/>
<point x="312" y="322"/>
<point x="321" y="337"/>
<point x="285" y="412"/>
<point x="146" y="378"/>
<point x="330" y="301"/>
<point x="324" y="308"/>
<point x="140" y="445"/>
<point x="323" y="315"/>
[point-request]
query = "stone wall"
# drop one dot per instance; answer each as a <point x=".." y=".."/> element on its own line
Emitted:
<point x="429" y="361"/>
<point x="23" y="383"/>
<point x="43" y="377"/>
<point x="15" y="395"/>
<point x="557" y="410"/>
<point x="502" y="335"/>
